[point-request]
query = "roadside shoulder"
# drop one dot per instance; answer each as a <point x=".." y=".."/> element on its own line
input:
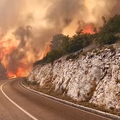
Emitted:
<point x="101" y="113"/>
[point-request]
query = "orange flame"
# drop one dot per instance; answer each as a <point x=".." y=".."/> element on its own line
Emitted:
<point x="8" y="44"/>
<point x="47" y="50"/>
<point x="17" y="73"/>
<point x="88" y="29"/>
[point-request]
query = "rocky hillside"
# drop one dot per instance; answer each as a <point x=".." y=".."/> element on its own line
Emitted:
<point x="87" y="76"/>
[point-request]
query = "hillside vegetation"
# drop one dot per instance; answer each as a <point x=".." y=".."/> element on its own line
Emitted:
<point x="62" y="44"/>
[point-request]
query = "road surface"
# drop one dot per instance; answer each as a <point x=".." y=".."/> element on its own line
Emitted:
<point x="17" y="103"/>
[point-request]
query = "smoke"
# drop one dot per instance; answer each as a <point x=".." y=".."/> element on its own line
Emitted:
<point x="9" y="14"/>
<point x="32" y="23"/>
<point x="94" y="10"/>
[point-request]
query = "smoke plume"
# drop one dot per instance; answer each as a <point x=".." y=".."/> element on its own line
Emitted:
<point x="27" y="26"/>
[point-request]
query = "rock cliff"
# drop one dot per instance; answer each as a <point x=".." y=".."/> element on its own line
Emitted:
<point x="93" y="77"/>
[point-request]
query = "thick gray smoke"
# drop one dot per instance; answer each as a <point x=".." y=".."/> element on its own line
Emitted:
<point x="34" y="22"/>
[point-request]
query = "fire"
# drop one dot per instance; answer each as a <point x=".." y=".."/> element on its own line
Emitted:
<point x="47" y="49"/>
<point x="17" y="73"/>
<point x="8" y="45"/>
<point x="89" y="29"/>
<point x="16" y="59"/>
<point x="45" y="20"/>
<point x="11" y="76"/>
<point x="71" y="29"/>
<point x="17" y="55"/>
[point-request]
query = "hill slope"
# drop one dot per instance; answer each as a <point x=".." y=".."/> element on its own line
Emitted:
<point x="92" y="77"/>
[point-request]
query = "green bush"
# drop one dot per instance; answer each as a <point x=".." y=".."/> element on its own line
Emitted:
<point x="62" y="44"/>
<point x="59" y="42"/>
<point x="53" y="55"/>
<point x="79" y="41"/>
<point x="111" y="48"/>
<point x="107" y="33"/>
<point x="117" y="81"/>
<point x="107" y="39"/>
<point x="72" y="56"/>
<point x="113" y="25"/>
<point x="50" y="57"/>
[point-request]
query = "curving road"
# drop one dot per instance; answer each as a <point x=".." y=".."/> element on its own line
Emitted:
<point x="17" y="103"/>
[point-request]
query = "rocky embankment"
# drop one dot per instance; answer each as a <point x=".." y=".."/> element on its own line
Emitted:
<point x="93" y="76"/>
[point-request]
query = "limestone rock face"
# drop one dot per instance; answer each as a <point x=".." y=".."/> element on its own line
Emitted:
<point x="94" y="77"/>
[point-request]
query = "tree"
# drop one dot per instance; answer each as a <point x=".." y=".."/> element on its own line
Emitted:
<point x="79" y="41"/>
<point x="107" y="39"/>
<point x="107" y="33"/>
<point x="59" y="42"/>
<point x="104" y="20"/>
<point x="112" y="26"/>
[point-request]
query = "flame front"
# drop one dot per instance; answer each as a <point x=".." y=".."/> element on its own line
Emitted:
<point x="89" y="29"/>
<point x="27" y="26"/>
<point x="16" y="59"/>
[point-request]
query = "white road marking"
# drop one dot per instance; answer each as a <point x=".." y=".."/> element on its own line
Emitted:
<point x="69" y="104"/>
<point x="31" y="116"/>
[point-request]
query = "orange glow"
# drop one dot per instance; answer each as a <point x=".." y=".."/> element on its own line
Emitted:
<point x="88" y="29"/>
<point x="10" y="56"/>
<point x="47" y="50"/>
<point x="8" y="45"/>
<point x="11" y="76"/>
<point x="5" y="51"/>
<point x="17" y="73"/>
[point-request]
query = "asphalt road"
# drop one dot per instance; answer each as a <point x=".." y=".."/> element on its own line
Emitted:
<point x="17" y="103"/>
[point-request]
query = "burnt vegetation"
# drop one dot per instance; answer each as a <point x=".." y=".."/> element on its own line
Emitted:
<point x="61" y="44"/>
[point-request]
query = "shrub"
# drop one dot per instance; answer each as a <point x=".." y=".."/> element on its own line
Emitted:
<point x="79" y="41"/>
<point x="113" y="25"/>
<point x="111" y="48"/>
<point x="72" y="56"/>
<point x="53" y="55"/>
<point x="117" y="81"/>
<point x="61" y="44"/>
<point x="107" y="33"/>
<point x="50" y="57"/>
<point x="107" y="38"/>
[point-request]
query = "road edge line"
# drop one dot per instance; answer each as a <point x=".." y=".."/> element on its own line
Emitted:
<point x="27" y="113"/>
<point x="94" y="111"/>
